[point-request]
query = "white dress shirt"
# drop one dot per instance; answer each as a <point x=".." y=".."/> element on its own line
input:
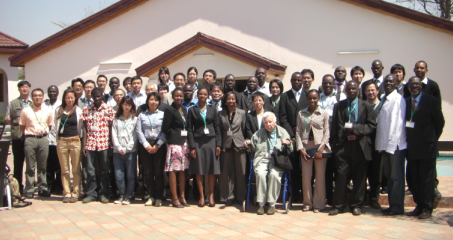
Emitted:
<point x="53" y="130"/>
<point x="380" y="80"/>
<point x="265" y="89"/>
<point x="297" y="94"/>
<point x="391" y="127"/>
<point x="425" y="80"/>
<point x="138" y="99"/>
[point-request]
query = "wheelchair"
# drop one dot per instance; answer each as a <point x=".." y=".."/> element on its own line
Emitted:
<point x="286" y="187"/>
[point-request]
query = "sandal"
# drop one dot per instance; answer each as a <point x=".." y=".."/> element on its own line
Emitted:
<point x="176" y="205"/>
<point x="183" y="203"/>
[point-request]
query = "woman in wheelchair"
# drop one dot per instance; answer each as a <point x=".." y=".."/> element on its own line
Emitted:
<point x="268" y="176"/>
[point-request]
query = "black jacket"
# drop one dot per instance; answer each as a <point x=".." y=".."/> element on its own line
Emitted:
<point x="195" y="125"/>
<point x="432" y="88"/>
<point x="173" y="124"/>
<point x="289" y="109"/>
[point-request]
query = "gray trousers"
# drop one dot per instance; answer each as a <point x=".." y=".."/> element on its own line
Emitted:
<point x="36" y="151"/>
<point x="232" y="175"/>
<point x="268" y="181"/>
<point x="393" y="167"/>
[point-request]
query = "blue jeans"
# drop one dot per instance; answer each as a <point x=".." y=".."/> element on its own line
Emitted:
<point x="101" y="160"/>
<point x="125" y="164"/>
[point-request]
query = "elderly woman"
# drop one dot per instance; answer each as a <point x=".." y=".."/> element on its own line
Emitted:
<point x="312" y="138"/>
<point x="268" y="176"/>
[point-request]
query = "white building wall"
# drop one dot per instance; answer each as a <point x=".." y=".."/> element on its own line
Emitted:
<point x="298" y="34"/>
<point x="10" y="75"/>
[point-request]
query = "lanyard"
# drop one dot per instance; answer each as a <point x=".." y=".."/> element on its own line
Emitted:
<point x="269" y="141"/>
<point x="231" y="125"/>
<point x="67" y="117"/>
<point x="183" y="119"/>
<point x="328" y="103"/>
<point x="203" y="115"/>
<point x="350" y="111"/>
<point x="307" y="120"/>
<point x="412" y="110"/>
<point x="122" y="122"/>
<point x="154" y="119"/>
<point x="37" y="115"/>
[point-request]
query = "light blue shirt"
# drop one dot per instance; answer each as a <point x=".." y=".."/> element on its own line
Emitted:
<point x="297" y="94"/>
<point x="417" y="99"/>
<point x="189" y="105"/>
<point x="148" y="122"/>
<point x="351" y="105"/>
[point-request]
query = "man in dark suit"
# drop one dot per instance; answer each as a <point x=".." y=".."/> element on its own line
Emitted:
<point x="376" y="67"/>
<point x="229" y="84"/>
<point x="291" y="102"/>
<point x="353" y="122"/>
<point x="252" y="88"/>
<point x="429" y="87"/>
<point x="424" y="125"/>
<point x="399" y="71"/>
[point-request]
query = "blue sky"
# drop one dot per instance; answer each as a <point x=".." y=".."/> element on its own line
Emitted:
<point x="30" y="20"/>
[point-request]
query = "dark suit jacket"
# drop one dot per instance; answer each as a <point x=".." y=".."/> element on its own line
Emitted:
<point x="289" y="109"/>
<point x="195" y="125"/>
<point x="363" y="129"/>
<point x="173" y="124"/>
<point x="432" y="88"/>
<point x="238" y="128"/>
<point x="251" y="125"/>
<point x="429" y="123"/>
<point x="249" y="104"/>
<point x="275" y="109"/>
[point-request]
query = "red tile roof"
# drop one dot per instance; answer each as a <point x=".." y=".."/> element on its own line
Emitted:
<point x="117" y="8"/>
<point x="10" y="42"/>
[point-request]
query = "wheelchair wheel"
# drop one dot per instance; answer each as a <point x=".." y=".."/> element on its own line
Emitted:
<point x="243" y="205"/>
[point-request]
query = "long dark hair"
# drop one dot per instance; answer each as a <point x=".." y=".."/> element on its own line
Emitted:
<point x="63" y="103"/>
<point x="165" y="70"/>
<point x="128" y="100"/>
<point x="224" y="106"/>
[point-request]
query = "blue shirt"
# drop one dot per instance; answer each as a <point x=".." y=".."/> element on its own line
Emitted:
<point x="272" y="139"/>
<point x="417" y="99"/>
<point x="148" y="122"/>
<point x="189" y="105"/>
<point x="356" y="110"/>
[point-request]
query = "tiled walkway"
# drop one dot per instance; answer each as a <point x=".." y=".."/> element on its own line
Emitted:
<point x="51" y="219"/>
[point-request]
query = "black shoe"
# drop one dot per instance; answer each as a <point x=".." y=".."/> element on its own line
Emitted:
<point x="408" y="192"/>
<point x="384" y="190"/>
<point x="388" y="212"/>
<point x="43" y="193"/>
<point x="437" y="194"/>
<point x="335" y="211"/>
<point x="29" y="195"/>
<point x="414" y="213"/>
<point x="375" y="205"/>
<point x="356" y="211"/>
<point x="229" y="202"/>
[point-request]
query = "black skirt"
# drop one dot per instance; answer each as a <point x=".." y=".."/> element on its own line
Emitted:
<point x="206" y="162"/>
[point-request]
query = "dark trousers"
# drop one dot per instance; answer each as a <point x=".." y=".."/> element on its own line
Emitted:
<point x="19" y="159"/>
<point x="351" y="164"/>
<point x="374" y="173"/>
<point x="83" y="162"/>
<point x="408" y="176"/>
<point x="330" y="178"/>
<point x="153" y="171"/>
<point x="98" y="161"/>
<point x="113" y="185"/>
<point x="393" y="168"/>
<point x="422" y="179"/>
<point x="53" y="170"/>
<point x="296" y="175"/>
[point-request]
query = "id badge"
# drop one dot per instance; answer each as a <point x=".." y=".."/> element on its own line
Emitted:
<point x="268" y="155"/>
<point x="148" y="133"/>
<point x="410" y="124"/>
<point x="183" y="133"/>
<point x="94" y="128"/>
<point x="305" y="135"/>
<point x="123" y="134"/>
<point x="154" y="133"/>
<point x="206" y="131"/>
<point x="62" y="130"/>
<point x="348" y="125"/>
<point x="229" y="133"/>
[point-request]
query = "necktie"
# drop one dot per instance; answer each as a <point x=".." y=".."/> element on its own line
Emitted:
<point x="382" y="103"/>
<point x="353" y="116"/>
<point x="339" y="86"/>
<point x="414" y="104"/>
<point x="297" y="96"/>
<point x="377" y="82"/>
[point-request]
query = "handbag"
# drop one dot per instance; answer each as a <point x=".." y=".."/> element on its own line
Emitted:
<point x="281" y="159"/>
<point x="313" y="151"/>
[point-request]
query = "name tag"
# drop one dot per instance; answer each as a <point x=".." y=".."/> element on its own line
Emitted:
<point x="206" y="131"/>
<point x="94" y="128"/>
<point x="348" y="125"/>
<point x="183" y="133"/>
<point x="268" y="155"/>
<point x="229" y="133"/>
<point x="150" y="133"/>
<point x="123" y="134"/>
<point x="410" y="124"/>
<point x="62" y="130"/>
<point x="305" y="135"/>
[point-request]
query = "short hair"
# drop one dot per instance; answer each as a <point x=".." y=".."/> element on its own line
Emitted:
<point x="135" y="78"/>
<point x="162" y="86"/>
<point x="89" y="81"/>
<point x="114" y="78"/>
<point x="258" y="94"/>
<point x="125" y="80"/>
<point x="22" y="83"/>
<point x="271" y="114"/>
<point x="190" y="69"/>
<point x="96" y="90"/>
<point x="37" y="89"/>
<point x="177" y="89"/>
<point x="399" y="67"/>
<point x="312" y="90"/>
<point x="179" y="73"/>
<point x="165" y="70"/>
<point x="202" y="87"/>
<point x="55" y="86"/>
<point x="328" y="75"/>
<point x="279" y="83"/>
<point x="149" y="84"/>
<point x="368" y="83"/>
<point x="214" y="85"/>
<point x="119" y="89"/>
<point x="102" y="76"/>
<point x="224" y="106"/>
<point x="155" y="94"/>
<point x="304" y="71"/>
<point x="77" y="80"/>
<point x="211" y="71"/>
<point x="422" y="61"/>
<point x="357" y="68"/>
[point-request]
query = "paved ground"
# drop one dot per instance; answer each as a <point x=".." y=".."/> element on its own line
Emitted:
<point x="51" y="219"/>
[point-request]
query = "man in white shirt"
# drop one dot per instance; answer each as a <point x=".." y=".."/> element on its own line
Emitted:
<point x="53" y="170"/>
<point x="263" y="86"/>
<point x="391" y="142"/>
<point x="137" y="94"/>
<point x="216" y="91"/>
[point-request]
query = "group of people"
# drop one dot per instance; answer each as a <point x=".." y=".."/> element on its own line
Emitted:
<point x="341" y="132"/>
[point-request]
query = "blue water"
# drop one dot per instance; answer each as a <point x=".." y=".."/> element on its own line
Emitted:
<point x="445" y="166"/>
